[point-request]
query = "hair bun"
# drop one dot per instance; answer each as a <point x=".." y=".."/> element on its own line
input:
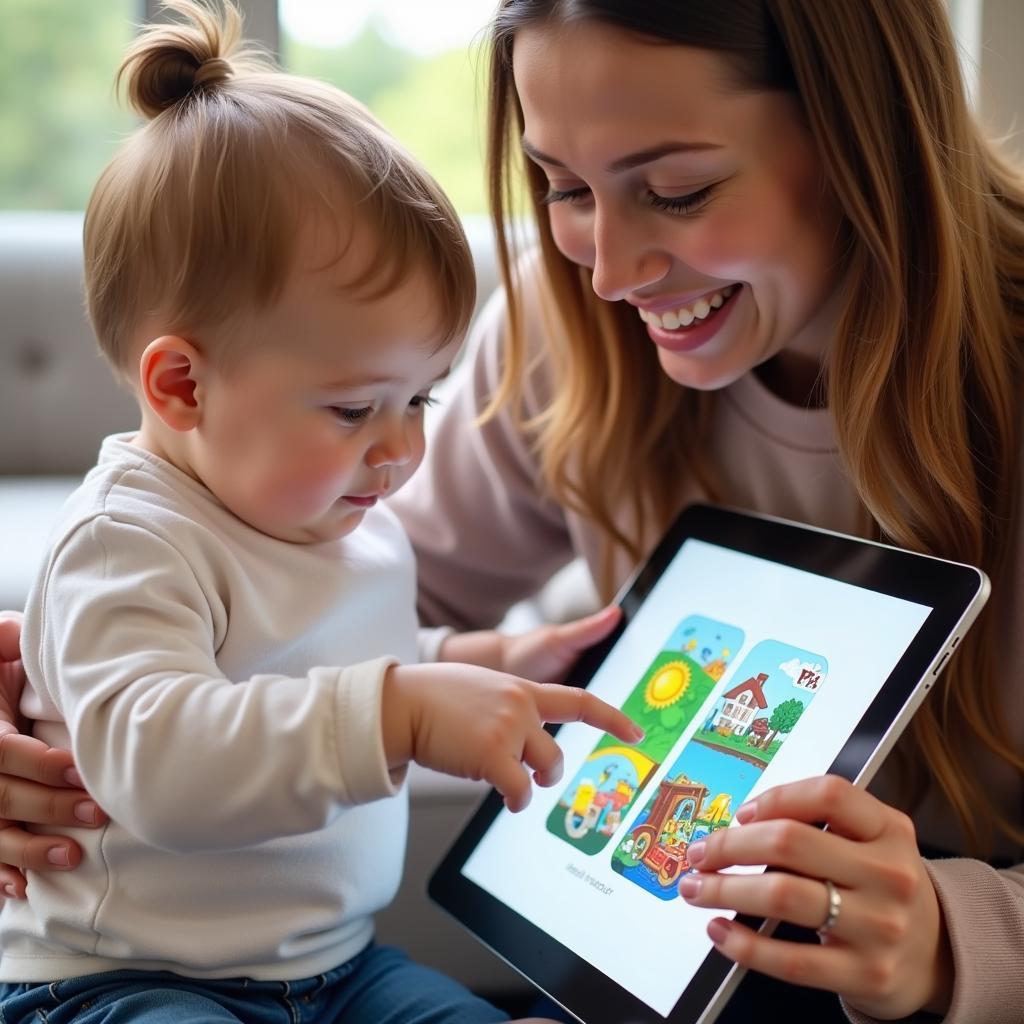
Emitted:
<point x="169" y="62"/>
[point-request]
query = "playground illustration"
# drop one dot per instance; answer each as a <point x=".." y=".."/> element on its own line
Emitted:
<point x="673" y="689"/>
<point x="749" y="721"/>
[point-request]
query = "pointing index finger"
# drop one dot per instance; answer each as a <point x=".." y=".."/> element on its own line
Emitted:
<point x="558" y="703"/>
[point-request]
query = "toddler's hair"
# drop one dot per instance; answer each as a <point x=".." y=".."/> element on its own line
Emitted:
<point x="201" y="212"/>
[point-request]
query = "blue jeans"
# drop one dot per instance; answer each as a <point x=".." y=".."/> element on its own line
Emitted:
<point x="379" y="986"/>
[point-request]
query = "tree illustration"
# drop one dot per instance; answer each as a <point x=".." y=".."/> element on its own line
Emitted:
<point x="784" y="717"/>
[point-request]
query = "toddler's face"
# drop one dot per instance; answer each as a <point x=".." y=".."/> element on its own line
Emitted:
<point x="321" y="414"/>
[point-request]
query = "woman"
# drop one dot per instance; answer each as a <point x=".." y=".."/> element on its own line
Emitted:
<point x="780" y="267"/>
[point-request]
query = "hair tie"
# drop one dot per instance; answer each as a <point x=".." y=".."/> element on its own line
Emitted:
<point x="212" y="71"/>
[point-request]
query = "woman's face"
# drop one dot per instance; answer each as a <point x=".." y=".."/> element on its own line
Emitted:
<point x="703" y="206"/>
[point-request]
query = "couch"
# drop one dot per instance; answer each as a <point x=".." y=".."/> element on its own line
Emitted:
<point x="58" y="399"/>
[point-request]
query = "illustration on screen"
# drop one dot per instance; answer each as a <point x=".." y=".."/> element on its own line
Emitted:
<point x="669" y="694"/>
<point x="750" y="719"/>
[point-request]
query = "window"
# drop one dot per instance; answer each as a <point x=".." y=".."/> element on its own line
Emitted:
<point x="59" y="119"/>
<point x="420" y="70"/>
<point x="419" y="66"/>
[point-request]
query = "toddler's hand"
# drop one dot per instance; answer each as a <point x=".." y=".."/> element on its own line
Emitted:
<point x="480" y="724"/>
<point x="549" y="652"/>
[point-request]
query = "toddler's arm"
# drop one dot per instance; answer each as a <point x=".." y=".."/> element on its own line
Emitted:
<point x="121" y="650"/>
<point x="124" y="650"/>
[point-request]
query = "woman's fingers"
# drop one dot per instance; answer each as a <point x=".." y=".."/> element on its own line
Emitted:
<point x="827" y="799"/>
<point x="22" y="849"/>
<point x="38" y="784"/>
<point x="774" y="894"/>
<point x="12" y="883"/>
<point x="781" y="844"/>
<point x="776" y="830"/>
<point x="12" y="675"/>
<point x="577" y="636"/>
<point x="29" y="758"/>
<point x="883" y="951"/>
<point x="22" y="800"/>
<point x="10" y="636"/>
<point x="831" y="968"/>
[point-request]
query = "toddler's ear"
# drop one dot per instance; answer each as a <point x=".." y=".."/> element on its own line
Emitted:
<point x="170" y="372"/>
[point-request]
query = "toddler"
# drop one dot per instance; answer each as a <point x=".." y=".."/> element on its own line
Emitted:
<point x="224" y="631"/>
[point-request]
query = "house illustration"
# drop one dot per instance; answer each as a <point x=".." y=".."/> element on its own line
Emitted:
<point x="741" y="704"/>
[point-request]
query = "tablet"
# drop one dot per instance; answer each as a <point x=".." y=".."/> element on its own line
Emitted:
<point x="754" y="652"/>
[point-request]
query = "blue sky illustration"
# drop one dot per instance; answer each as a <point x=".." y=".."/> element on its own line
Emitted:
<point x="705" y="639"/>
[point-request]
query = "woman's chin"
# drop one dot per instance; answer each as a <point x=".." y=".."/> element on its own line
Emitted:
<point x="699" y="372"/>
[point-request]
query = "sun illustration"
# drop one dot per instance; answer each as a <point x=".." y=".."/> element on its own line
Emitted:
<point x="668" y="684"/>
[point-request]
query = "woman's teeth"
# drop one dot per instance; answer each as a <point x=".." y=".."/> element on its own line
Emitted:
<point x="685" y="315"/>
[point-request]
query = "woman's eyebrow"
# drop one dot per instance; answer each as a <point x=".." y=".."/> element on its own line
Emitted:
<point x="631" y="160"/>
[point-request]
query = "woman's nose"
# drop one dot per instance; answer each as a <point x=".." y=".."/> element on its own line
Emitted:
<point x="625" y="259"/>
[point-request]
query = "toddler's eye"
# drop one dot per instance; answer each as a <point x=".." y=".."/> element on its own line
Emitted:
<point x="422" y="401"/>
<point x="352" y="417"/>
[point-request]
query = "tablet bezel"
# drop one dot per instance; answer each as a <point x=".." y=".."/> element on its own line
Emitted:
<point x="955" y="593"/>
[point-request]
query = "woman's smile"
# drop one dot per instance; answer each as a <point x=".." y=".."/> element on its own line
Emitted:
<point x="706" y="208"/>
<point x="686" y="327"/>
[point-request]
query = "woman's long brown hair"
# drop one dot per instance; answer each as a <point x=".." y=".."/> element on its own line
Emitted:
<point x="929" y="342"/>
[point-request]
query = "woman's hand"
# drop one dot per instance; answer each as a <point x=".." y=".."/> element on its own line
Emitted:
<point x="887" y="953"/>
<point x="548" y="652"/>
<point x="544" y="654"/>
<point x="37" y="783"/>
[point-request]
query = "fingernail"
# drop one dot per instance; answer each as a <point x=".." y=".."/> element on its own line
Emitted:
<point x="638" y="733"/>
<point x="72" y="778"/>
<point x="11" y="891"/>
<point x="85" y="810"/>
<point x="746" y="812"/>
<point x="58" y="856"/>
<point x="718" y="931"/>
<point x="695" y="853"/>
<point x="689" y="887"/>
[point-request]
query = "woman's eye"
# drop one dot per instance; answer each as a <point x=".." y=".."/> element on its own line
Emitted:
<point x="681" y="204"/>
<point x="569" y="195"/>
<point x="352" y="417"/>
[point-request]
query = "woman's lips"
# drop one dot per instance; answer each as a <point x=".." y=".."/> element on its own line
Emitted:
<point x="696" y="334"/>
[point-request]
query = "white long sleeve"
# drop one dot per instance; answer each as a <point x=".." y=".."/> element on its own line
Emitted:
<point x="221" y="692"/>
<point x="128" y="659"/>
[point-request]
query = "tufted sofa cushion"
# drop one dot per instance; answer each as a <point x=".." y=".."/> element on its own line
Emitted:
<point x="58" y="397"/>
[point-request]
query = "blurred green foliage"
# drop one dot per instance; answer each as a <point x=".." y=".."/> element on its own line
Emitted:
<point x="60" y="121"/>
<point x="434" y="106"/>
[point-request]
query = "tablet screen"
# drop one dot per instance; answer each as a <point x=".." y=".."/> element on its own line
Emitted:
<point x="745" y="674"/>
